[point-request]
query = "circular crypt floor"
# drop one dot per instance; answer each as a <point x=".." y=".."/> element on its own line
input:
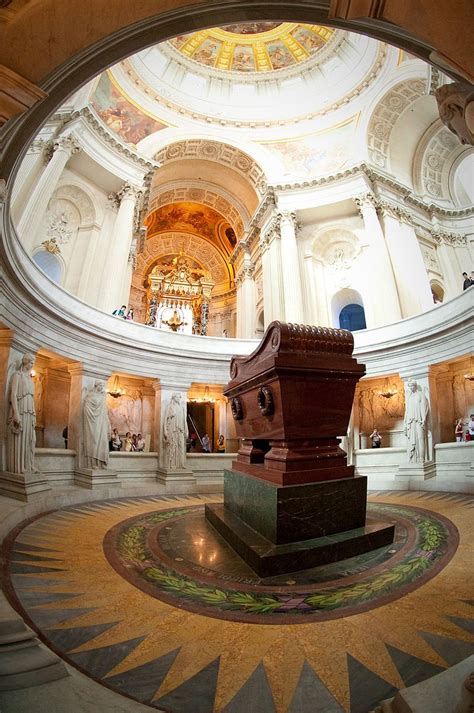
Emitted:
<point x="144" y="596"/>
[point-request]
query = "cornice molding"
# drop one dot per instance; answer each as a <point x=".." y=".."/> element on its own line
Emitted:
<point x="376" y="177"/>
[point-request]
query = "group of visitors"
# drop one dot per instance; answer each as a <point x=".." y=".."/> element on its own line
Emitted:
<point x="468" y="280"/>
<point x="129" y="444"/>
<point x="123" y="312"/>
<point x="459" y="433"/>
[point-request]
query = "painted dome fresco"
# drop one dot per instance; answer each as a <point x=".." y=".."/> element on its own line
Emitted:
<point x="253" y="46"/>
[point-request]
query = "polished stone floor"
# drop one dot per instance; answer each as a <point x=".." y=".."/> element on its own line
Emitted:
<point x="144" y="596"/>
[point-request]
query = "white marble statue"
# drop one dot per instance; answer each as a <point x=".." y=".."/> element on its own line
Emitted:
<point x="22" y="419"/>
<point x="416" y="426"/>
<point x="175" y="433"/>
<point x="96" y="430"/>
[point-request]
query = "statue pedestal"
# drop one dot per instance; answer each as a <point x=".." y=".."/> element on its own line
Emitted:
<point x="92" y="478"/>
<point x="23" y="486"/>
<point x="423" y="471"/>
<point x="176" y="478"/>
<point x="279" y="529"/>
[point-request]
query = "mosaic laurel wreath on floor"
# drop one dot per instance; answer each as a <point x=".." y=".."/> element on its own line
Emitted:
<point x="144" y="596"/>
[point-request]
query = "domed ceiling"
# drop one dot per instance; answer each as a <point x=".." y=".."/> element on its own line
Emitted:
<point x="254" y="46"/>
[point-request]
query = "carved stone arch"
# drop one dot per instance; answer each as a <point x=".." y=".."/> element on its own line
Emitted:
<point x="385" y="115"/>
<point x="217" y="152"/>
<point x="80" y="199"/>
<point x="164" y="195"/>
<point x="193" y="246"/>
<point x="457" y="191"/>
<point x="436" y="153"/>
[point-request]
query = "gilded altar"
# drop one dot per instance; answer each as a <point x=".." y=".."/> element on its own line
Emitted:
<point x="178" y="295"/>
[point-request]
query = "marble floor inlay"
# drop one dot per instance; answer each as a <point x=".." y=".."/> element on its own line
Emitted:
<point x="144" y="596"/>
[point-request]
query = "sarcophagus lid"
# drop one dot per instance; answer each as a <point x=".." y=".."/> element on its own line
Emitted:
<point x="299" y="383"/>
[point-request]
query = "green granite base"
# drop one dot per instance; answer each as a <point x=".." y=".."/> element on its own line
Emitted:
<point x="290" y="513"/>
<point x="268" y="559"/>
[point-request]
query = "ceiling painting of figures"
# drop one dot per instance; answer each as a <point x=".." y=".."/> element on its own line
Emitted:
<point x="194" y="218"/>
<point x="122" y="117"/>
<point x="254" y="46"/>
<point x="317" y="154"/>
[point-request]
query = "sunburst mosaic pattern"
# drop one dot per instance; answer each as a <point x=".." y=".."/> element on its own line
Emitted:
<point x="72" y="572"/>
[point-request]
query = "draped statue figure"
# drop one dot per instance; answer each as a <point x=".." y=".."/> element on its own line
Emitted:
<point x="21" y="439"/>
<point x="416" y="427"/>
<point x="96" y="430"/>
<point x="175" y="433"/>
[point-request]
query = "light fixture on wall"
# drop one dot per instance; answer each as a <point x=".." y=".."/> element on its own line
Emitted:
<point x="469" y="377"/>
<point x="205" y="399"/>
<point x="116" y="391"/>
<point x="388" y="393"/>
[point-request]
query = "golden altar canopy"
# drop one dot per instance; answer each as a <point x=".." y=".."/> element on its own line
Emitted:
<point x="180" y="284"/>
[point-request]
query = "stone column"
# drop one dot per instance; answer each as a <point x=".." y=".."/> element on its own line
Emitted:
<point x="291" y="269"/>
<point x="117" y="287"/>
<point x="148" y="417"/>
<point x="271" y="271"/>
<point x="238" y="302"/>
<point x="31" y="167"/>
<point x="99" y="295"/>
<point x="180" y="479"/>
<point x="90" y="261"/>
<point x="384" y="304"/>
<point x="63" y="148"/>
<point x="56" y="406"/>
<point x="411" y="277"/>
<point x="21" y="486"/>
<point x="422" y="470"/>
<point x="452" y="272"/>
<point x="82" y="379"/>
<point x="222" y="405"/>
<point x="311" y="302"/>
<point x="246" y="298"/>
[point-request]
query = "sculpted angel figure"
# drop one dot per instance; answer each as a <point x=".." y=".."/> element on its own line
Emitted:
<point x="22" y="419"/>
<point x="175" y="433"/>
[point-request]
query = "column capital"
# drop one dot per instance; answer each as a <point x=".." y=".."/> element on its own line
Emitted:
<point x="114" y="200"/>
<point x="392" y="210"/>
<point x="94" y="372"/>
<point x="288" y="217"/>
<point x="67" y="143"/>
<point x="444" y="238"/>
<point x="129" y="191"/>
<point x="169" y="384"/>
<point x="271" y="230"/>
<point x="366" y="200"/>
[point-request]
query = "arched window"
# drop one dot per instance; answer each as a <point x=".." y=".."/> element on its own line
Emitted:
<point x="352" y="317"/>
<point x="50" y="264"/>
